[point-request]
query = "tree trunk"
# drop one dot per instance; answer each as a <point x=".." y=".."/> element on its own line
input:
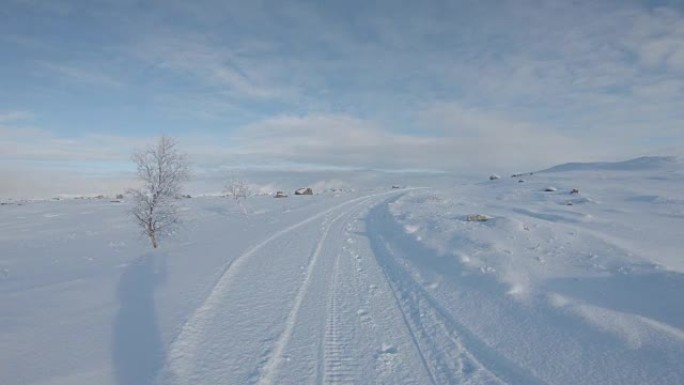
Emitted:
<point x="153" y="238"/>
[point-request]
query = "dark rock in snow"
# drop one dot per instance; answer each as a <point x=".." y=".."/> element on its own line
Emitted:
<point x="304" y="191"/>
<point x="477" y="218"/>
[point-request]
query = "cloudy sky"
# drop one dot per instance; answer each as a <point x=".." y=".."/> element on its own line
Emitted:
<point x="460" y="85"/>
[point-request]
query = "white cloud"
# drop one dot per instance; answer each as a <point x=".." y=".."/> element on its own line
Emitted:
<point x="231" y="70"/>
<point x="468" y="85"/>
<point x="22" y="182"/>
<point x="487" y="139"/>
<point x="657" y="38"/>
<point x="25" y="143"/>
<point x="35" y="163"/>
<point x="454" y="138"/>
<point x="82" y="74"/>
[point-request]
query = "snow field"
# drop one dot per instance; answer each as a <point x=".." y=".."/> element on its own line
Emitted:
<point x="560" y="294"/>
<point x="375" y="287"/>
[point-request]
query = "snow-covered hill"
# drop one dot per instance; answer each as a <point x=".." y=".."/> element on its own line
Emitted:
<point x="362" y="286"/>
<point x="656" y="163"/>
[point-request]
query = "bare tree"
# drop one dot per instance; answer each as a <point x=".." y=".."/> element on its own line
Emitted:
<point x="238" y="189"/>
<point x="162" y="170"/>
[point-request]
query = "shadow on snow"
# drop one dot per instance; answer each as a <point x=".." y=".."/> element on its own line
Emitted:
<point x="656" y="296"/>
<point x="137" y="349"/>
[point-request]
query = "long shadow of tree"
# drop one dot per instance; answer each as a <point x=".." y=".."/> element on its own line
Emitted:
<point x="137" y="349"/>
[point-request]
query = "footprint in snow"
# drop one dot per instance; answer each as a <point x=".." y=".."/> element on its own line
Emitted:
<point x="386" y="359"/>
<point x="372" y="289"/>
<point x="388" y="349"/>
<point x="364" y="317"/>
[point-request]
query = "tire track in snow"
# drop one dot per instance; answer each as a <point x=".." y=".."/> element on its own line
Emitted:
<point x="336" y="365"/>
<point x="353" y="349"/>
<point x="444" y="358"/>
<point x="437" y="335"/>
<point x="271" y="367"/>
<point x="412" y="333"/>
<point x="183" y="347"/>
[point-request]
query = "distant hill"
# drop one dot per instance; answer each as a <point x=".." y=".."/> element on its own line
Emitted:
<point x="642" y="163"/>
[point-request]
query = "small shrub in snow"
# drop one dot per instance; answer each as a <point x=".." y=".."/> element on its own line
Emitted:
<point x="238" y="189"/>
<point x="494" y="177"/>
<point x="574" y="191"/>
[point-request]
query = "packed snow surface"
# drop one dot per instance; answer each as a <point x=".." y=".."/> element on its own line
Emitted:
<point x="497" y="282"/>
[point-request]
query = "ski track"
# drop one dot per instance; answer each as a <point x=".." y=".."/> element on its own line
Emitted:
<point x="182" y="348"/>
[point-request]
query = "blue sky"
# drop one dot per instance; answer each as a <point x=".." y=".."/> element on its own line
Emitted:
<point x="472" y="85"/>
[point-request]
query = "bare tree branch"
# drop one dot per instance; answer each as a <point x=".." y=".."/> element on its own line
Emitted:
<point x="163" y="170"/>
<point x="238" y="189"/>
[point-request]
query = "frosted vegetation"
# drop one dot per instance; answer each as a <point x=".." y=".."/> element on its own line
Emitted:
<point x="502" y="281"/>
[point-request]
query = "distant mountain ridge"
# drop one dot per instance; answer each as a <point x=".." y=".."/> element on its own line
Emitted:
<point x="642" y="163"/>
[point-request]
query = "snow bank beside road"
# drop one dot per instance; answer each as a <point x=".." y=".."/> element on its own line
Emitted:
<point x="588" y="281"/>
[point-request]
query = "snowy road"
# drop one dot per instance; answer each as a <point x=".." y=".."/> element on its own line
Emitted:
<point x="310" y="304"/>
<point x="323" y="302"/>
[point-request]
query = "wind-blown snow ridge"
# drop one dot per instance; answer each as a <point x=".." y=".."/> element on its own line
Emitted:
<point x="450" y="352"/>
<point x="593" y="265"/>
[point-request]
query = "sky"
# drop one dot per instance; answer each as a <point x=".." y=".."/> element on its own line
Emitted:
<point x="467" y="86"/>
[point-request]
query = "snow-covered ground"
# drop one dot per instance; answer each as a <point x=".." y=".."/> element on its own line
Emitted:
<point x="362" y="286"/>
